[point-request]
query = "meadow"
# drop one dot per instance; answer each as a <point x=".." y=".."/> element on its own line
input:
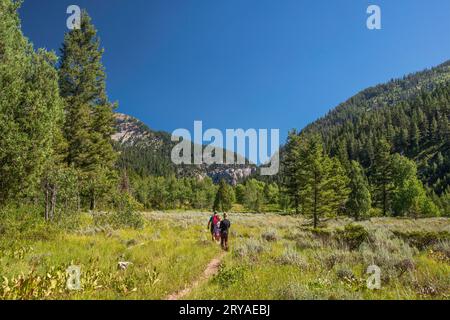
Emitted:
<point x="272" y="256"/>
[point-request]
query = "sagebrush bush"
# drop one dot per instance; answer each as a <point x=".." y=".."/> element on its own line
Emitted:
<point x="308" y="243"/>
<point x="295" y="291"/>
<point x="270" y="235"/>
<point x="291" y="257"/>
<point x="423" y="239"/>
<point x="250" y="247"/>
<point x="389" y="253"/>
<point x="443" y="247"/>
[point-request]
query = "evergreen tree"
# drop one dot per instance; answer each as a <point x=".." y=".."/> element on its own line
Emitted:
<point x="290" y="169"/>
<point x="382" y="175"/>
<point x="359" y="201"/>
<point x="339" y="184"/>
<point x="314" y="173"/>
<point x="89" y="115"/>
<point x="225" y="197"/>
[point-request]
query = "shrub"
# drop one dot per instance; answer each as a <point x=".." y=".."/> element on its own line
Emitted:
<point x="295" y="291"/>
<point x="305" y="243"/>
<point x="251" y="247"/>
<point x="346" y="275"/>
<point x="229" y="276"/>
<point x="270" y="235"/>
<point x="322" y="234"/>
<point x="423" y="239"/>
<point x="388" y="252"/>
<point x="443" y="249"/>
<point x="126" y="214"/>
<point x="353" y="236"/>
<point x="291" y="257"/>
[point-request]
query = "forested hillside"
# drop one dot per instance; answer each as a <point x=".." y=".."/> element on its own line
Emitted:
<point x="147" y="152"/>
<point x="412" y="114"/>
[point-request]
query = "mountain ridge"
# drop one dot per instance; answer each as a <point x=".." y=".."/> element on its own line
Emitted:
<point x="147" y="152"/>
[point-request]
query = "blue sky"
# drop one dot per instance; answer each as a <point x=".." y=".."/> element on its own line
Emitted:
<point x="247" y="63"/>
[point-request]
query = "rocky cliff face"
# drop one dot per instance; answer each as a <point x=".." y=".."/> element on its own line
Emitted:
<point x="143" y="148"/>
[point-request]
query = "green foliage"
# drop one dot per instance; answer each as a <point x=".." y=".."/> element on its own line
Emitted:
<point x="382" y="176"/>
<point x="411" y="114"/>
<point x="25" y="223"/>
<point x="225" y="197"/>
<point x="229" y="276"/>
<point x="359" y="202"/>
<point x="170" y="193"/>
<point x="90" y="120"/>
<point x="253" y="195"/>
<point x="353" y="235"/>
<point x="127" y="212"/>
<point x="317" y="184"/>
<point x="409" y="194"/>
<point x="423" y="239"/>
<point x="30" y="109"/>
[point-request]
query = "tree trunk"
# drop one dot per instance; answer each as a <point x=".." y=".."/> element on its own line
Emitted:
<point x="316" y="222"/>
<point x="53" y="202"/>
<point x="92" y="206"/>
<point x="46" y="214"/>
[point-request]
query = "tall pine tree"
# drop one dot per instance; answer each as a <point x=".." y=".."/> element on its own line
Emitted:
<point x="382" y="176"/>
<point x="89" y="114"/>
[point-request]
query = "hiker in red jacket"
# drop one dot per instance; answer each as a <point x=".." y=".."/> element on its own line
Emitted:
<point x="213" y="226"/>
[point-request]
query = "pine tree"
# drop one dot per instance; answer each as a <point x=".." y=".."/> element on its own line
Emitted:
<point x="225" y="197"/>
<point x="290" y="169"/>
<point x="89" y="115"/>
<point x="339" y="184"/>
<point x="382" y="176"/>
<point x="315" y="189"/>
<point x="359" y="201"/>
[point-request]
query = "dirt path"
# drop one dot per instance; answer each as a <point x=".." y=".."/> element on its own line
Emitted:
<point x="211" y="269"/>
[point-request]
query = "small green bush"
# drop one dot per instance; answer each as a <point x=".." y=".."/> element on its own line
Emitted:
<point x="353" y="236"/>
<point x="229" y="276"/>
<point x="322" y="234"/>
<point x="126" y="214"/>
<point x="423" y="239"/>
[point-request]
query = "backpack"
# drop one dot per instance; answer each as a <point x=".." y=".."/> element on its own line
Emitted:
<point x="215" y="220"/>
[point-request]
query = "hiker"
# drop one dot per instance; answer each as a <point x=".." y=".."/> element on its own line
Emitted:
<point x="217" y="223"/>
<point x="212" y="223"/>
<point x="225" y="225"/>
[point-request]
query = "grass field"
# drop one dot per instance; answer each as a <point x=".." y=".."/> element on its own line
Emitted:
<point x="271" y="257"/>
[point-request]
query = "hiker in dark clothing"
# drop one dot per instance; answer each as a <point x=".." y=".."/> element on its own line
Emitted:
<point x="225" y="225"/>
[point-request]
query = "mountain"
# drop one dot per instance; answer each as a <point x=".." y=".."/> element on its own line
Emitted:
<point x="147" y="152"/>
<point x="412" y="113"/>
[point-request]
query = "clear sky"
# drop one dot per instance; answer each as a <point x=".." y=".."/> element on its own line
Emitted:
<point x="247" y="63"/>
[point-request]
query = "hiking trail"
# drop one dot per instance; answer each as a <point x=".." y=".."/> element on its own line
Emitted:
<point x="211" y="270"/>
